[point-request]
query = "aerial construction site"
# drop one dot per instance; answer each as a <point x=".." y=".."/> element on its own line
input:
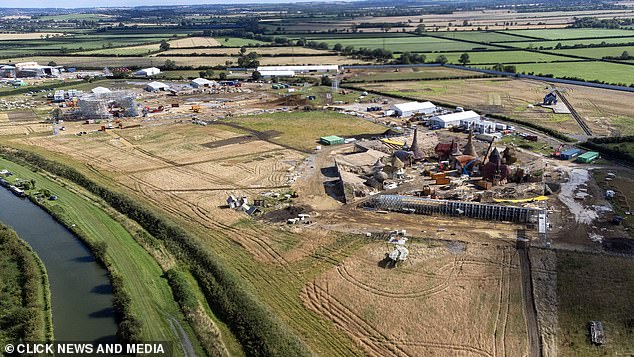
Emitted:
<point x="370" y="223"/>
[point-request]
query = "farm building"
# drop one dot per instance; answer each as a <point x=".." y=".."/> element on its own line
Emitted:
<point x="202" y="82"/>
<point x="271" y="74"/>
<point x="7" y="71"/>
<point x="411" y="108"/>
<point x="156" y="86"/>
<point x="454" y="119"/>
<point x="588" y="157"/>
<point x="32" y="69"/>
<point x="570" y="154"/>
<point x="147" y="72"/>
<point x="300" y="69"/>
<point x="331" y="140"/>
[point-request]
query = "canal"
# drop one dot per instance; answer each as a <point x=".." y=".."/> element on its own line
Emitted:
<point x="81" y="293"/>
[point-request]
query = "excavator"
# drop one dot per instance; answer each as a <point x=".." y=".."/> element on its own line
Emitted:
<point x="557" y="151"/>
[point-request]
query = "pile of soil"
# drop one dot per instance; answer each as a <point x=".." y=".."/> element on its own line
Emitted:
<point x="284" y="214"/>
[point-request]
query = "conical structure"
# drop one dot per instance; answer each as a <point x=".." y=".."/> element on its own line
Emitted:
<point x="495" y="158"/>
<point x="418" y="153"/>
<point x="469" y="149"/>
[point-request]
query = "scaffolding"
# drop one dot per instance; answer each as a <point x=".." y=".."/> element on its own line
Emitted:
<point x="430" y="206"/>
<point x="97" y="106"/>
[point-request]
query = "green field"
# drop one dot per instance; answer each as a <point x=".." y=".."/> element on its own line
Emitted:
<point x="479" y="36"/>
<point x="405" y="43"/>
<point x="498" y="57"/>
<point x="583" y="296"/>
<point x="66" y="17"/>
<point x="552" y="44"/>
<point x="414" y="73"/>
<point x="570" y="33"/>
<point x="598" y="52"/>
<point x="151" y="296"/>
<point x="292" y="126"/>
<point x="602" y="71"/>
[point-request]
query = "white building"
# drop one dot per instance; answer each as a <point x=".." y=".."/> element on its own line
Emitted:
<point x="147" y="72"/>
<point x="411" y="108"/>
<point x="454" y="119"/>
<point x="32" y="69"/>
<point x="100" y="90"/>
<point x="300" y="69"/>
<point x="271" y="74"/>
<point x="202" y="82"/>
<point x="156" y="86"/>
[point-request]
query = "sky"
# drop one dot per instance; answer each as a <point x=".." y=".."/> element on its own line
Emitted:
<point x="115" y="3"/>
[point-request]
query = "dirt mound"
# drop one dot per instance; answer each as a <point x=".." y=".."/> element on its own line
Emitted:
<point x="619" y="245"/>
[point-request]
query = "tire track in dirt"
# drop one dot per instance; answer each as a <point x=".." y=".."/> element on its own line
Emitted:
<point x="436" y="289"/>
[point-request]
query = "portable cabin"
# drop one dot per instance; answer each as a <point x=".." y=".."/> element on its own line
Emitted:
<point x="331" y="140"/>
<point x="588" y="157"/>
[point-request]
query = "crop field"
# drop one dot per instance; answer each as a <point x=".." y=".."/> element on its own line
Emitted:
<point x="492" y="57"/>
<point x="406" y="43"/>
<point x="600" y="71"/>
<point x="100" y="62"/>
<point x="552" y="44"/>
<point x="583" y="297"/>
<point x="479" y="36"/>
<point x="238" y="42"/>
<point x="448" y="299"/>
<point x="562" y="34"/>
<point x="123" y="51"/>
<point x="26" y="36"/>
<point x="407" y="73"/>
<point x="598" y="52"/>
<point x="259" y="50"/>
<point x="194" y="42"/>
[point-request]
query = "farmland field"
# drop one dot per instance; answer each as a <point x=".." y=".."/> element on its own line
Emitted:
<point x="124" y="51"/>
<point x="601" y="71"/>
<point x="194" y="42"/>
<point x="259" y="50"/>
<point x="238" y="42"/>
<point x="552" y="44"/>
<point x="598" y="52"/>
<point x="446" y="300"/>
<point x="407" y="73"/>
<point x="479" y="36"/>
<point x="583" y="297"/>
<point x="498" y="57"/>
<point x="560" y="34"/>
<point x="406" y="43"/>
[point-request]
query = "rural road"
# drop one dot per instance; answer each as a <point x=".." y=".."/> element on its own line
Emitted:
<point x="530" y="311"/>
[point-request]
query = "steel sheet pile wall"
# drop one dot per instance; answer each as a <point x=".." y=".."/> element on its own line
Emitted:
<point x="454" y="208"/>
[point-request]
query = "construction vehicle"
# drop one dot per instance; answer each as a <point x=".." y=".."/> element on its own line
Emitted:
<point x="196" y="108"/>
<point x="557" y="151"/>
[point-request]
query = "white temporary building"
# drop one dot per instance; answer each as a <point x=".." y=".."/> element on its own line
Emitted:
<point x="156" y="86"/>
<point x="100" y="90"/>
<point x="147" y="72"/>
<point x="202" y="82"/>
<point x="300" y="69"/>
<point x="270" y="74"/>
<point x="454" y="119"/>
<point x="411" y="108"/>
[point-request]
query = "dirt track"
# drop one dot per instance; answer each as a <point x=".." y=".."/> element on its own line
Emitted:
<point x="530" y="311"/>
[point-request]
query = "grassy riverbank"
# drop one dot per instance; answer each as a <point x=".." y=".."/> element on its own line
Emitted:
<point x="25" y="299"/>
<point x="150" y="298"/>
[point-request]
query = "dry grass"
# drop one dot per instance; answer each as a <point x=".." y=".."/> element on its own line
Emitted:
<point x="194" y="42"/>
<point x="26" y="36"/>
<point x="442" y="302"/>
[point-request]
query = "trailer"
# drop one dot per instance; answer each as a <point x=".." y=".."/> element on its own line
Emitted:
<point x="597" y="335"/>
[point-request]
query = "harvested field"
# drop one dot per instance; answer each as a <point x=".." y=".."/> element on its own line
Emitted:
<point x="194" y="42"/>
<point x="233" y="51"/>
<point x="355" y="75"/>
<point x="26" y="36"/>
<point x="446" y="300"/>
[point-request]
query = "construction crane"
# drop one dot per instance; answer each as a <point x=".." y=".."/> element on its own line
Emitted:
<point x="557" y="151"/>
